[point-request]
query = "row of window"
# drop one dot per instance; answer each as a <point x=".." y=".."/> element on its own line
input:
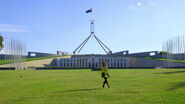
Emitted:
<point x="95" y="64"/>
<point x="100" y="60"/>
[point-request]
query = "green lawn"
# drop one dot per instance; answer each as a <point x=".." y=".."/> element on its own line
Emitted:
<point x="31" y="59"/>
<point x="128" y="86"/>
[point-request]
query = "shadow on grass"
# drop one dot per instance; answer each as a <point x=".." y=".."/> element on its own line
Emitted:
<point x="171" y="72"/>
<point x="177" y="86"/>
<point x="90" y="89"/>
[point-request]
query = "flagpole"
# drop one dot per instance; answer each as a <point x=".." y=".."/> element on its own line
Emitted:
<point x="92" y="15"/>
<point x="80" y="47"/>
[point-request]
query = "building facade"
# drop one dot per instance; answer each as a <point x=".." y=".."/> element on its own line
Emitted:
<point x="89" y="61"/>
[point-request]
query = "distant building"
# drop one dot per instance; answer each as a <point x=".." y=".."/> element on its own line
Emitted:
<point x="63" y="53"/>
<point x="39" y="54"/>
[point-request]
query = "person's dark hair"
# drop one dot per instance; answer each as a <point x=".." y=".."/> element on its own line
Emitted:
<point x="104" y="63"/>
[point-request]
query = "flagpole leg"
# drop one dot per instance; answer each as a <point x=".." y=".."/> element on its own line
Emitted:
<point x="92" y="16"/>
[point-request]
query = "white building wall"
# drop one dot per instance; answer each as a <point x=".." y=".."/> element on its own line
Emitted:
<point x="78" y="61"/>
<point x="58" y="62"/>
<point x="127" y="62"/>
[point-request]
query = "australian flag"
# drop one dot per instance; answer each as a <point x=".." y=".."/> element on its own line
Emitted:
<point x="90" y="10"/>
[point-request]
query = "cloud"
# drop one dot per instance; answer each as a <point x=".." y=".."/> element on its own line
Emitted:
<point x="34" y="24"/>
<point x="131" y="7"/>
<point x="135" y="6"/>
<point x="139" y="3"/>
<point x="12" y="28"/>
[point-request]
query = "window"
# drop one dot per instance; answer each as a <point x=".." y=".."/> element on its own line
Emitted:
<point x="77" y="63"/>
<point x="124" y="62"/>
<point x="124" y="53"/>
<point x="89" y="64"/>
<point x="33" y="54"/>
<point x="152" y="54"/>
<point x="92" y="59"/>
<point x="82" y="62"/>
<point x="108" y="62"/>
<point x="99" y="62"/>
<point x="86" y="62"/>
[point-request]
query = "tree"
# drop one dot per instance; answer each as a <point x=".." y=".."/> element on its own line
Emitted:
<point x="1" y="42"/>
